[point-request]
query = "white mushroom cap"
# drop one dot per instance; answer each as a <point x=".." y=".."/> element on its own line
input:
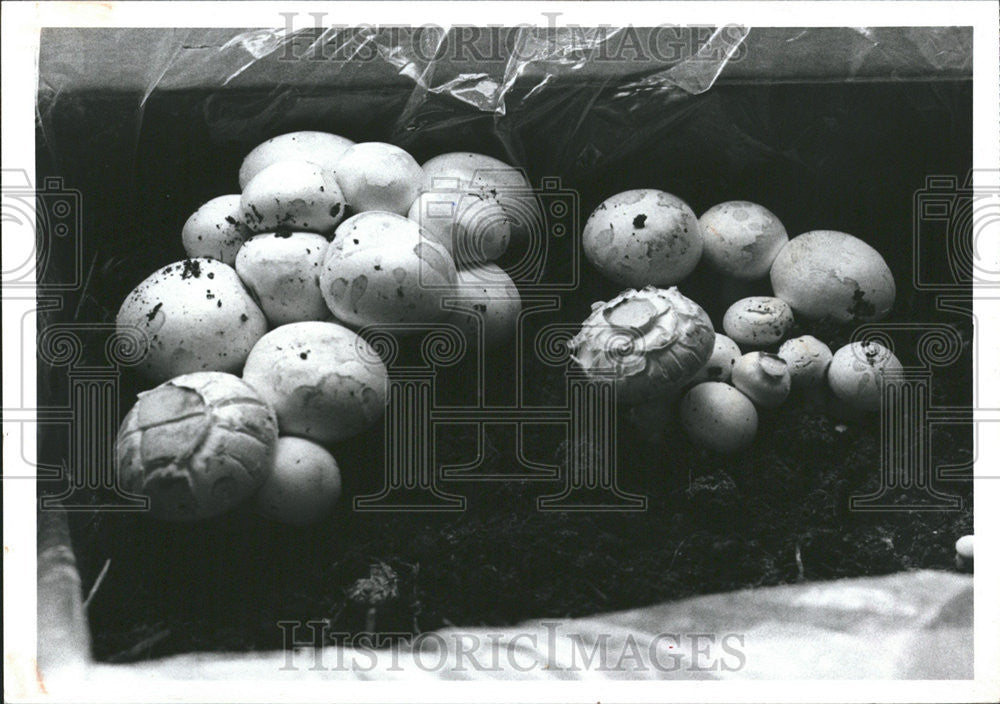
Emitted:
<point x="379" y="176"/>
<point x="763" y="377"/>
<point x="324" y="381"/>
<point x="489" y="291"/>
<point x="292" y="195"/>
<point x="473" y="226"/>
<point x="858" y="373"/>
<point x="758" y="321"/>
<point x="304" y="483"/>
<point x="718" y="417"/>
<point x="830" y="274"/>
<point x="282" y="270"/>
<point x="742" y="238"/>
<point x="382" y="268"/>
<point x="321" y="148"/>
<point x="808" y="360"/>
<point x="643" y="237"/>
<point x="196" y="316"/>
<point x="486" y="175"/>
<point x="216" y="230"/>
<point x="719" y="366"/>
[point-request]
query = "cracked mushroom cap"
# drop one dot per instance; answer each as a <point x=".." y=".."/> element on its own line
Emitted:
<point x="197" y="445"/>
<point x="325" y="382"/>
<point x="825" y="274"/>
<point x="653" y="341"/>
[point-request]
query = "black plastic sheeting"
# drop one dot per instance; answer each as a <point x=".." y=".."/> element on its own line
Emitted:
<point x="595" y="94"/>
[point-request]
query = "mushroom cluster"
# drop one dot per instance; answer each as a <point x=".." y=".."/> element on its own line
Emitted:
<point x="326" y="240"/>
<point x="667" y="357"/>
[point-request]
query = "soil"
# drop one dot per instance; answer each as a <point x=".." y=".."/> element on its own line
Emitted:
<point x="846" y="157"/>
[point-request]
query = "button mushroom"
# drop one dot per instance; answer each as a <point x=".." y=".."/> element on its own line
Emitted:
<point x="643" y="237"/>
<point x="653" y="341"/>
<point x="324" y="381"/>
<point x="741" y="238"/>
<point x="718" y="417"/>
<point x="763" y="377"/>
<point x="196" y="315"/>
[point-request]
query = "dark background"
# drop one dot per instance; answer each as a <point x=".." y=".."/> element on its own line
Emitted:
<point x="822" y="153"/>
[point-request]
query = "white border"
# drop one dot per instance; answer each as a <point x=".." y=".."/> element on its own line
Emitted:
<point x="21" y="22"/>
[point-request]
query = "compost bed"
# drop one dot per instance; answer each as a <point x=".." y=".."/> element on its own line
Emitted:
<point x="846" y="156"/>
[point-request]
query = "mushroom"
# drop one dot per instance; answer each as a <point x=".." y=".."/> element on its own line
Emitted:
<point x="643" y="237"/>
<point x="197" y="445"/>
<point x="718" y="417"/>
<point x="758" y="321"/>
<point x="763" y="377"/>
<point x="652" y="341"/>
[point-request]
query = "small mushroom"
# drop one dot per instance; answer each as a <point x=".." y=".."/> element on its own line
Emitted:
<point x="719" y="366"/>
<point x="758" y="321"/>
<point x="808" y="360"/>
<point x="304" y="483"/>
<point x="763" y="377"/>
<point x="964" y="556"/>
<point x="858" y="373"/>
<point x="718" y="417"/>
